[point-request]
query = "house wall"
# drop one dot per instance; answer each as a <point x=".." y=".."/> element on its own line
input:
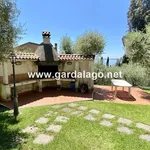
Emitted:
<point x="21" y="75"/>
<point x="69" y="68"/>
<point x="21" y="70"/>
<point x="79" y="66"/>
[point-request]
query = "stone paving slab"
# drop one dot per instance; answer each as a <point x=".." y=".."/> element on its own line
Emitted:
<point x="145" y="137"/>
<point x="108" y="116"/>
<point x="54" y="128"/>
<point x="125" y="130"/>
<point x="73" y="105"/>
<point x="90" y="117"/>
<point x="47" y="115"/>
<point x="77" y="113"/>
<point x="94" y="111"/>
<point x="82" y="108"/>
<point x="30" y="129"/>
<point x="143" y="126"/>
<point x="61" y="119"/>
<point x="124" y="121"/>
<point x="106" y="123"/>
<point x="42" y="120"/>
<point x="66" y="110"/>
<point x="50" y="111"/>
<point x="55" y="113"/>
<point x="56" y="106"/>
<point x="43" y="139"/>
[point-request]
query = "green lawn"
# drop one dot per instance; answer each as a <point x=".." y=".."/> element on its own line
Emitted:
<point x="146" y="89"/>
<point x="77" y="133"/>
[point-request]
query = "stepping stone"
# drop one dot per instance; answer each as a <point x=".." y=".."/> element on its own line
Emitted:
<point x="143" y="126"/>
<point x="106" y="123"/>
<point x="61" y="119"/>
<point x="66" y="110"/>
<point x="82" y="108"/>
<point x="90" y="117"/>
<point x="50" y="112"/>
<point x="54" y="128"/>
<point x="56" y="106"/>
<point x="125" y="130"/>
<point x="55" y="113"/>
<point x="47" y="115"/>
<point x="73" y="105"/>
<point x="145" y="137"/>
<point x="30" y="129"/>
<point x="77" y="113"/>
<point x="43" y="139"/>
<point x="42" y="120"/>
<point x="108" y="116"/>
<point x="94" y="111"/>
<point x="124" y="121"/>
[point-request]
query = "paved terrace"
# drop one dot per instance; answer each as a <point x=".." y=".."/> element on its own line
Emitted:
<point x="102" y="93"/>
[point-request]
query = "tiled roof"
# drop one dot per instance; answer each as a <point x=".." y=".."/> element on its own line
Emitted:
<point x="33" y="56"/>
<point x="27" y="56"/>
<point x="75" y="57"/>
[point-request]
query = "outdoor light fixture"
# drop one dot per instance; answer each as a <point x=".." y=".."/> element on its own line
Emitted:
<point x="15" y="97"/>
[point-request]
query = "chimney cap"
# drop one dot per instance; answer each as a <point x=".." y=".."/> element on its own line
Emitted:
<point x="46" y="33"/>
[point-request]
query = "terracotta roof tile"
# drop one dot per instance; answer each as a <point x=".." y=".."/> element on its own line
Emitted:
<point x="27" y="56"/>
<point x="75" y="57"/>
<point x="33" y="56"/>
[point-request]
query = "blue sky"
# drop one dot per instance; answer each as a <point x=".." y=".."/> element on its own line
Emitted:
<point x="74" y="17"/>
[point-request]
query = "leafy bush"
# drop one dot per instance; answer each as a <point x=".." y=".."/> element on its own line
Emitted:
<point x="90" y="43"/>
<point x="133" y="73"/>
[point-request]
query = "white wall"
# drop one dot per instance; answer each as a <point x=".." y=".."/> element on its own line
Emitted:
<point x="69" y="68"/>
<point x="24" y="68"/>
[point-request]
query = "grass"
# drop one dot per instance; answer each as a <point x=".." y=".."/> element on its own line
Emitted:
<point x="146" y="89"/>
<point x="77" y="133"/>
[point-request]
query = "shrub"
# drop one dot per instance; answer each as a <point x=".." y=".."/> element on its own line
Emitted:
<point x="133" y="73"/>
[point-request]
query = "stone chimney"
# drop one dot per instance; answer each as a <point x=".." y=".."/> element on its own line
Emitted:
<point x="46" y="37"/>
<point x="55" y="46"/>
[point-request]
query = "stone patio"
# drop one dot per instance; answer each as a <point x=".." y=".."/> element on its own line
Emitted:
<point x="52" y="96"/>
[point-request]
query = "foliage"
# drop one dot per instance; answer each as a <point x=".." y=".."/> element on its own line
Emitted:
<point x="66" y="45"/>
<point x="118" y="62"/>
<point x="9" y="30"/>
<point x="133" y="73"/>
<point x="137" y="45"/>
<point x="125" y="59"/>
<point x="138" y="15"/>
<point x="90" y="43"/>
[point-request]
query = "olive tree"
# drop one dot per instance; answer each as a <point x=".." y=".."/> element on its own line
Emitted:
<point x="90" y="43"/>
<point x="9" y="29"/>
<point x="137" y="45"/>
<point x="66" y="45"/>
